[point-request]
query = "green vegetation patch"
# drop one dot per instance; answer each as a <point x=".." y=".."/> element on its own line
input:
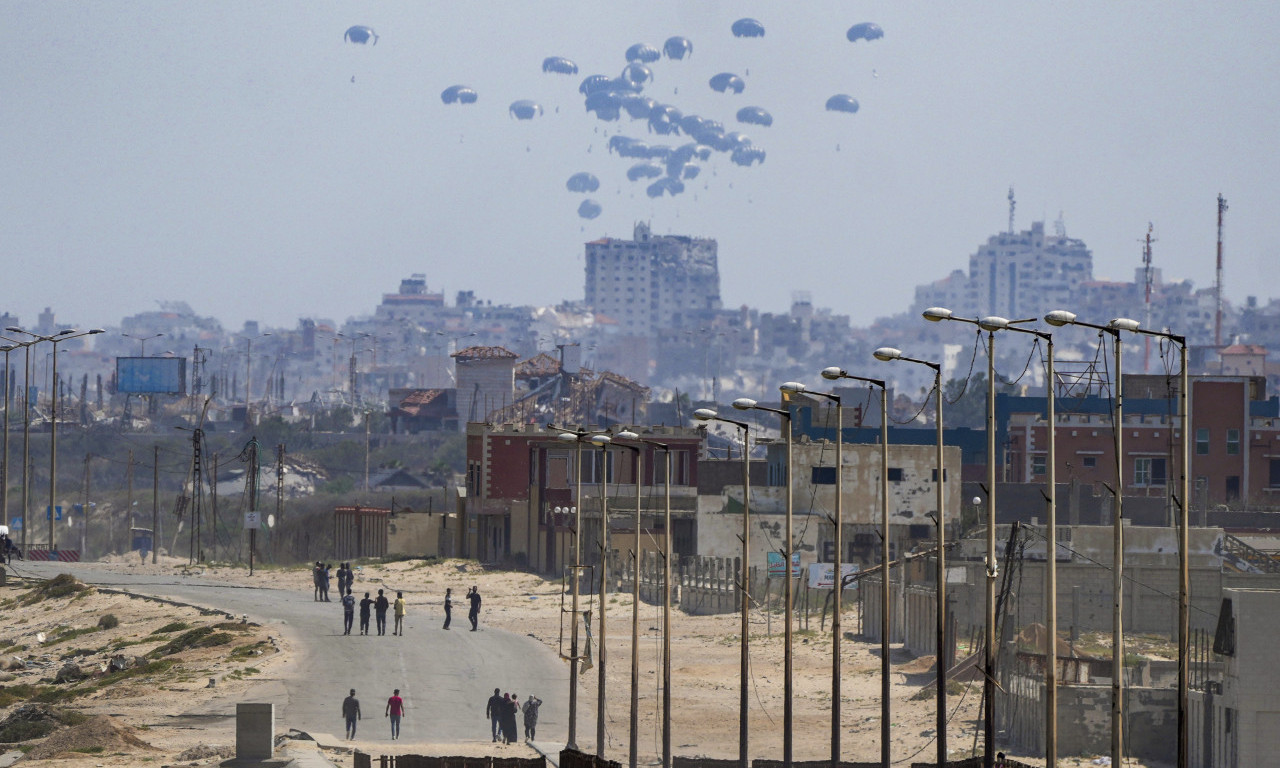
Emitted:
<point x="173" y="626"/>
<point x="62" y="585"/>
<point x="200" y="637"/>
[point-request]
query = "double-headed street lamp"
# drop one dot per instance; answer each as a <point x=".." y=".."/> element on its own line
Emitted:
<point x="4" y="473"/>
<point x="1059" y="318"/>
<point x="1062" y="317"/>
<point x="26" y="427"/>
<point x="142" y="340"/>
<point x="795" y="388"/>
<point x="744" y="586"/>
<point x="63" y="335"/>
<point x="634" y="733"/>
<point x="990" y="325"/>
<point x="788" y="663"/>
<point x="835" y="373"/>
<point x="889" y="354"/>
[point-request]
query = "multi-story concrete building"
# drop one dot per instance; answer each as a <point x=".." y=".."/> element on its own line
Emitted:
<point x="1014" y="275"/>
<point x="651" y="282"/>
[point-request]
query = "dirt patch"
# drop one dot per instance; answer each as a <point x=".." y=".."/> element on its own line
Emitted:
<point x="206" y="751"/>
<point x="99" y="734"/>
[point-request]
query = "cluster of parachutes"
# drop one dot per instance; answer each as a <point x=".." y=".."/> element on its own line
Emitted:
<point x="665" y="167"/>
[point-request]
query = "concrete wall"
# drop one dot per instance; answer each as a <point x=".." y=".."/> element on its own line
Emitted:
<point x="414" y="533"/>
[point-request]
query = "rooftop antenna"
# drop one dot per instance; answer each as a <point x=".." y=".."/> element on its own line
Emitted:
<point x="1012" y="204"/>
<point x="1060" y="226"/>
<point x="1217" y="286"/>
<point x="1147" y="280"/>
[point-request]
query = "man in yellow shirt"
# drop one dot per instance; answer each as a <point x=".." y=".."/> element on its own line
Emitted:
<point x="399" y="607"/>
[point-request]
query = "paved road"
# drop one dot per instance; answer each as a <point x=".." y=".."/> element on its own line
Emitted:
<point x="444" y="677"/>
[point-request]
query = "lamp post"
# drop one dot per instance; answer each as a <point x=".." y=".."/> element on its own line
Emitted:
<point x="601" y="678"/>
<point x="63" y="335"/>
<point x="990" y="325"/>
<point x="707" y="414"/>
<point x="1184" y="488"/>
<point x="26" y="428"/>
<point x="1059" y="318"/>
<point x="788" y="662"/>
<point x="142" y="340"/>
<point x="4" y="473"/>
<point x="578" y="437"/>
<point x="797" y="388"/>
<point x="888" y="354"/>
<point x="835" y="373"/>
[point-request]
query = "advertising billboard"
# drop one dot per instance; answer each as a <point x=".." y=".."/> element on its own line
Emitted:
<point x="151" y="375"/>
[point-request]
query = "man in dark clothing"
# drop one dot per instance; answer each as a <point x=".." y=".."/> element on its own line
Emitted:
<point x="351" y="712"/>
<point x="380" y="612"/>
<point x="364" y="614"/>
<point x="448" y="607"/>
<point x="494" y="709"/>
<point x="474" y="613"/>
<point x="317" y="574"/>
<point x="348" y="611"/>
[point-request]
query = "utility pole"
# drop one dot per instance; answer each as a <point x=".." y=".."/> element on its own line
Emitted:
<point x="84" y="515"/>
<point x="250" y="453"/>
<point x="1217" y="285"/>
<point x="366" y="451"/>
<point x="129" y="481"/>
<point x="279" y="485"/>
<point x="155" y="503"/>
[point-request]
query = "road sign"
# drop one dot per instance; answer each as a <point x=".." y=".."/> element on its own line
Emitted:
<point x="57" y="512"/>
<point x="15" y="524"/>
<point x="252" y="521"/>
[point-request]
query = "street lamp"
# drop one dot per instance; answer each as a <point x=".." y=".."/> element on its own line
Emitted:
<point x="142" y="340"/>
<point x="63" y="335"/>
<point x="990" y="325"/>
<point x="888" y="354"/>
<point x="1059" y="318"/>
<point x="797" y="388"/>
<point x="601" y="678"/>
<point x="788" y="663"/>
<point x="634" y="733"/>
<point x="835" y="373"/>
<point x="26" y="427"/>
<point x="744" y="587"/>
<point x="578" y="437"/>
<point x="4" y="473"/>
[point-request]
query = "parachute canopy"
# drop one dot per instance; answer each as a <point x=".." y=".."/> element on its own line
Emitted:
<point x="645" y="54"/>
<point x="842" y="102"/>
<point x="677" y="47"/>
<point x="755" y="116"/>
<point x="747" y="155"/>
<point x="582" y="182"/>
<point x="458" y="94"/>
<point x="644" y="171"/>
<point x="748" y="28"/>
<point x="559" y="65"/>
<point x="727" y="81"/>
<point x="593" y="83"/>
<point x="589" y="209"/>
<point x="524" y="109"/>
<point x="637" y="73"/>
<point x="361" y="35"/>
<point x="864" y="31"/>
<point x="668" y="185"/>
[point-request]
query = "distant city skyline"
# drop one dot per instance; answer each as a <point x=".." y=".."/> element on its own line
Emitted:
<point x="245" y="159"/>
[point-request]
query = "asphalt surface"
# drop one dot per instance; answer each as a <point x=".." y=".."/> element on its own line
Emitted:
<point x="445" y="677"/>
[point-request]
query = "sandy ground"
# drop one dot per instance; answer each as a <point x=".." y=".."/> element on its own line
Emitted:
<point x="705" y="670"/>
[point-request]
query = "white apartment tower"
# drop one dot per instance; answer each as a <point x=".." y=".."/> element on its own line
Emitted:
<point x="652" y="282"/>
<point x="1015" y="275"/>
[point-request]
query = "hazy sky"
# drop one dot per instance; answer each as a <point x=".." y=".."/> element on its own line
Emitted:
<point x="220" y="152"/>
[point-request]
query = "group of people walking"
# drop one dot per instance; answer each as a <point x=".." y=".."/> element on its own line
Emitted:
<point x="501" y="711"/>
<point x="378" y="607"/>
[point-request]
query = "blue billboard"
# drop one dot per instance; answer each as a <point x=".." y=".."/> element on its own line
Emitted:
<point x="151" y="375"/>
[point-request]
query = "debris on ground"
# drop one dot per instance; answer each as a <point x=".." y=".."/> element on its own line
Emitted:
<point x="99" y="733"/>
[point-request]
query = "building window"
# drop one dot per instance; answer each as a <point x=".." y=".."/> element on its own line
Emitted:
<point x="823" y="476"/>
<point x="1274" y="479"/>
<point x="1202" y="441"/>
<point x="1089" y="462"/>
<point x="934" y="475"/>
<point x="1233" y="442"/>
<point x="1148" y="471"/>
<point x="1038" y="464"/>
<point x="895" y="474"/>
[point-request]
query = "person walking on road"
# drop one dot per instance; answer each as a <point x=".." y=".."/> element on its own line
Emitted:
<point x="493" y="711"/>
<point x="530" y="709"/>
<point x="324" y="583"/>
<point x="317" y="574"/>
<point x="348" y="611"/>
<point x="448" y="607"/>
<point x="399" y="609"/>
<point x="474" y="613"/>
<point x="364" y="614"/>
<point x="395" y="710"/>
<point x="351" y="713"/>
<point x="508" y="725"/>
<point x="380" y="612"/>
